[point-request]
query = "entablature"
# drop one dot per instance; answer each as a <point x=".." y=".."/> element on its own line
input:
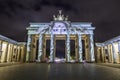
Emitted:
<point x="7" y="39"/>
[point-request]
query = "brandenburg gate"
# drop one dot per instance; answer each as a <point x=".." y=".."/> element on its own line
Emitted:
<point x="60" y="29"/>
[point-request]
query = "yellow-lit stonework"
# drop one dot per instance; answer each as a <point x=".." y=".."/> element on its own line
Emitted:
<point x="11" y="51"/>
<point x="109" y="51"/>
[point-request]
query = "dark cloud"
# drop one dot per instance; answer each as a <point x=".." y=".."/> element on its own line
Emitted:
<point x="9" y="7"/>
<point x="15" y="15"/>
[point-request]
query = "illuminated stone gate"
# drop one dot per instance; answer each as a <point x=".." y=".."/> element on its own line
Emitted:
<point x="60" y="29"/>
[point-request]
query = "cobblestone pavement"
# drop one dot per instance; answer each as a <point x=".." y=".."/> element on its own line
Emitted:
<point x="59" y="71"/>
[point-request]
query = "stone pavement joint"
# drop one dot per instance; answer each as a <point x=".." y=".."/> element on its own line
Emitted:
<point x="9" y="64"/>
<point x="109" y="65"/>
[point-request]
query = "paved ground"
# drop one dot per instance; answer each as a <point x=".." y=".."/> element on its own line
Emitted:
<point x="9" y="64"/>
<point x="61" y="71"/>
<point x="110" y="65"/>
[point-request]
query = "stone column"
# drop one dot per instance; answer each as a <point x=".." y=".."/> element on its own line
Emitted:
<point x="76" y="48"/>
<point x="15" y="53"/>
<point x="28" y="48"/>
<point x="80" y="48"/>
<point x="111" y="53"/>
<point x="22" y="53"/>
<point x="40" y="48"/>
<point x="18" y="54"/>
<point x="114" y="55"/>
<point x="109" y="59"/>
<point x="98" y="54"/>
<point x="52" y="48"/>
<point x="11" y="52"/>
<point x="86" y="46"/>
<point x="34" y="49"/>
<point x="92" y="58"/>
<point x="68" y="47"/>
<point x="119" y="46"/>
<point x="6" y="53"/>
<point x="104" y="54"/>
<point x="44" y="49"/>
<point x="31" y="49"/>
<point x="119" y="51"/>
<point x="1" y="50"/>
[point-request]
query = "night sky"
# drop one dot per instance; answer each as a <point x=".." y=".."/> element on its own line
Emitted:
<point x="15" y="15"/>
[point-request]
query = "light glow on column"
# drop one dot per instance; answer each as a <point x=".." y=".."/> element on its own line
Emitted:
<point x="116" y="51"/>
<point x="80" y="47"/>
<point x="40" y="47"/>
<point x="28" y="47"/>
<point x="52" y="48"/>
<point x="68" y="47"/>
<point x="92" y="48"/>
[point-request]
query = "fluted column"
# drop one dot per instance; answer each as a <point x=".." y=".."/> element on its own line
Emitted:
<point x="80" y="48"/>
<point x="28" y="48"/>
<point x="113" y="52"/>
<point x="52" y="48"/>
<point x="67" y="48"/>
<point x="92" y="56"/>
<point x="40" y="49"/>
